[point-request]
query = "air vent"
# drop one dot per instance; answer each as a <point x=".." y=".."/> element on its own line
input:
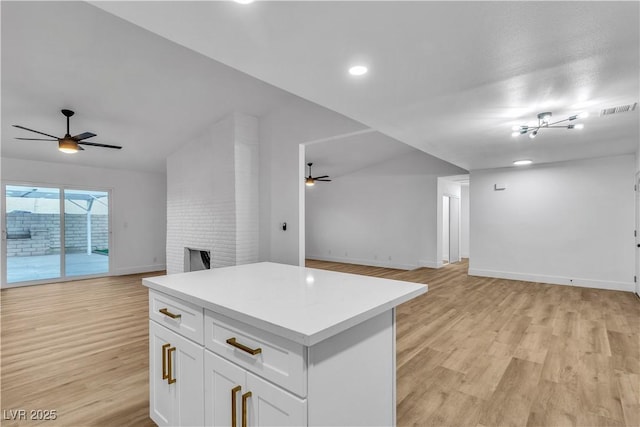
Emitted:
<point x="620" y="109"/>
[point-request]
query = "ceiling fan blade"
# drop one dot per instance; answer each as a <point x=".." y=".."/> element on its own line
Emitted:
<point x="95" y="144"/>
<point x="84" y="135"/>
<point x="323" y="180"/>
<point x="36" y="139"/>
<point x="80" y="148"/>
<point x="320" y="177"/>
<point x="36" y="131"/>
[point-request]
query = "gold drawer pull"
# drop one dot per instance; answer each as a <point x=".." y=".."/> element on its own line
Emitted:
<point x="251" y="351"/>
<point x="233" y="405"/>
<point x="164" y="361"/>
<point x="244" y="408"/>
<point x="166" y="312"/>
<point x="170" y="378"/>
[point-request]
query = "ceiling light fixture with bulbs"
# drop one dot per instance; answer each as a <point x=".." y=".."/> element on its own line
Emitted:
<point x="544" y="122"/>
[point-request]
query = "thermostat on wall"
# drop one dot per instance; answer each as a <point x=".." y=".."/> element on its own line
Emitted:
<point x="499" y="187"/>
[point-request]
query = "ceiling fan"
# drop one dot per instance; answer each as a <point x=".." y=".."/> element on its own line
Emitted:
<point x="68" y="144"/>
<point x="310" y="180"/>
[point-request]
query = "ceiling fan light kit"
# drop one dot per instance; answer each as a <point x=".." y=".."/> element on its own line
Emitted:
<point x="68" y="144"/>
<point x="544" y="122"/>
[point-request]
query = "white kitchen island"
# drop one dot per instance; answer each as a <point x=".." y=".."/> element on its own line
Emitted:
<point x="272" y="344"/>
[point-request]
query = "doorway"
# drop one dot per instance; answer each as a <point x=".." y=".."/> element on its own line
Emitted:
<point x="637" y="232"/>
<point x="54" y="233"/>
<point x="451" y="229"/>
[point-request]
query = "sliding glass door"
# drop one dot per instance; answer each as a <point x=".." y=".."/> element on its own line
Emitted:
<point x="32" y="233"/>
<point x="86" y="232"/>
<point x="52" y="233"/>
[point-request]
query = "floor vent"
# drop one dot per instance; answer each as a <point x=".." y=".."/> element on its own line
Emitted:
<point x="620" y="109"/>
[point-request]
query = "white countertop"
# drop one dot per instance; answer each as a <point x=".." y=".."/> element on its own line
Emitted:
<point x="305" y="305"/>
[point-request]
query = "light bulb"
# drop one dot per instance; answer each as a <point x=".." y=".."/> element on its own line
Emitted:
<point x="514" y="134"/>
<point x="533" y="134"/>
<point x="358" y="70"/>
<point x="583" y="115"/>
<point x="522" y="162"/>
<point x="579" y="126"/>
<point x="515" y="128"/>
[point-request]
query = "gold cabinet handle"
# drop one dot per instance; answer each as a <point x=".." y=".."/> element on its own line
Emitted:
<point x="164" y="361"/>
<point x="166" y="312"/>
<point x="251" y="351"/>
<point x="245" y="396"/>
<point x="170" y="378"/>
<point x="233" y="405"/>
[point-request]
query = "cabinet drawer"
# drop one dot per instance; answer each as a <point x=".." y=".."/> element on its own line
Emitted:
<point x="279" y="360"/>
<point x="178" y="315"/>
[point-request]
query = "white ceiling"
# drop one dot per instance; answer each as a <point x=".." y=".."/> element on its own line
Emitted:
<point x="342" y="156"/>
<point x="129" y="86"/>
<point x="449" y="78"/>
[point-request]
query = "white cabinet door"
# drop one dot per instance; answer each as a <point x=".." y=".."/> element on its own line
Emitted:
<point x="224" y="384"/>
<point x="270" y="405"/>
<point x="175" y="378"/>
<point x="227" y="386"/>
<point x="161" y="394"/>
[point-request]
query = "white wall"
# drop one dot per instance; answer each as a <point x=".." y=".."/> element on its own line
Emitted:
<point x="464" y="221"/>
<point x="281" y="172"/>
<point x="384" y="215"/>
<point x="138" y="202"/>
<point x="212" y="195"/>
<point x="565" y="223"/>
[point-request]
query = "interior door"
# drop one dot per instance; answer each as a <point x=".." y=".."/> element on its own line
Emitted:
<point x="445" y="228"/>
<point x="638" y="233"/>
<point x="454" y="229"/>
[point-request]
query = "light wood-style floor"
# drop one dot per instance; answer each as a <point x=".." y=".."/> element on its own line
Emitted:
<point x="471" y="352"/>
<point x="491" y="352"/>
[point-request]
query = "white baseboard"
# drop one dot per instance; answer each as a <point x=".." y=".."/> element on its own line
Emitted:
<point x="359" y="261"/>
<point x="430" y="264"/>
<point x="555" y="280"/>
<point x="139" y="269"/>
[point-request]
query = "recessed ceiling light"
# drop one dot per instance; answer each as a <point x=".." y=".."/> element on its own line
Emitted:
<point x="522" y="162"/>
<point x="358" y="70"/>
<point x="244" y="1"/>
